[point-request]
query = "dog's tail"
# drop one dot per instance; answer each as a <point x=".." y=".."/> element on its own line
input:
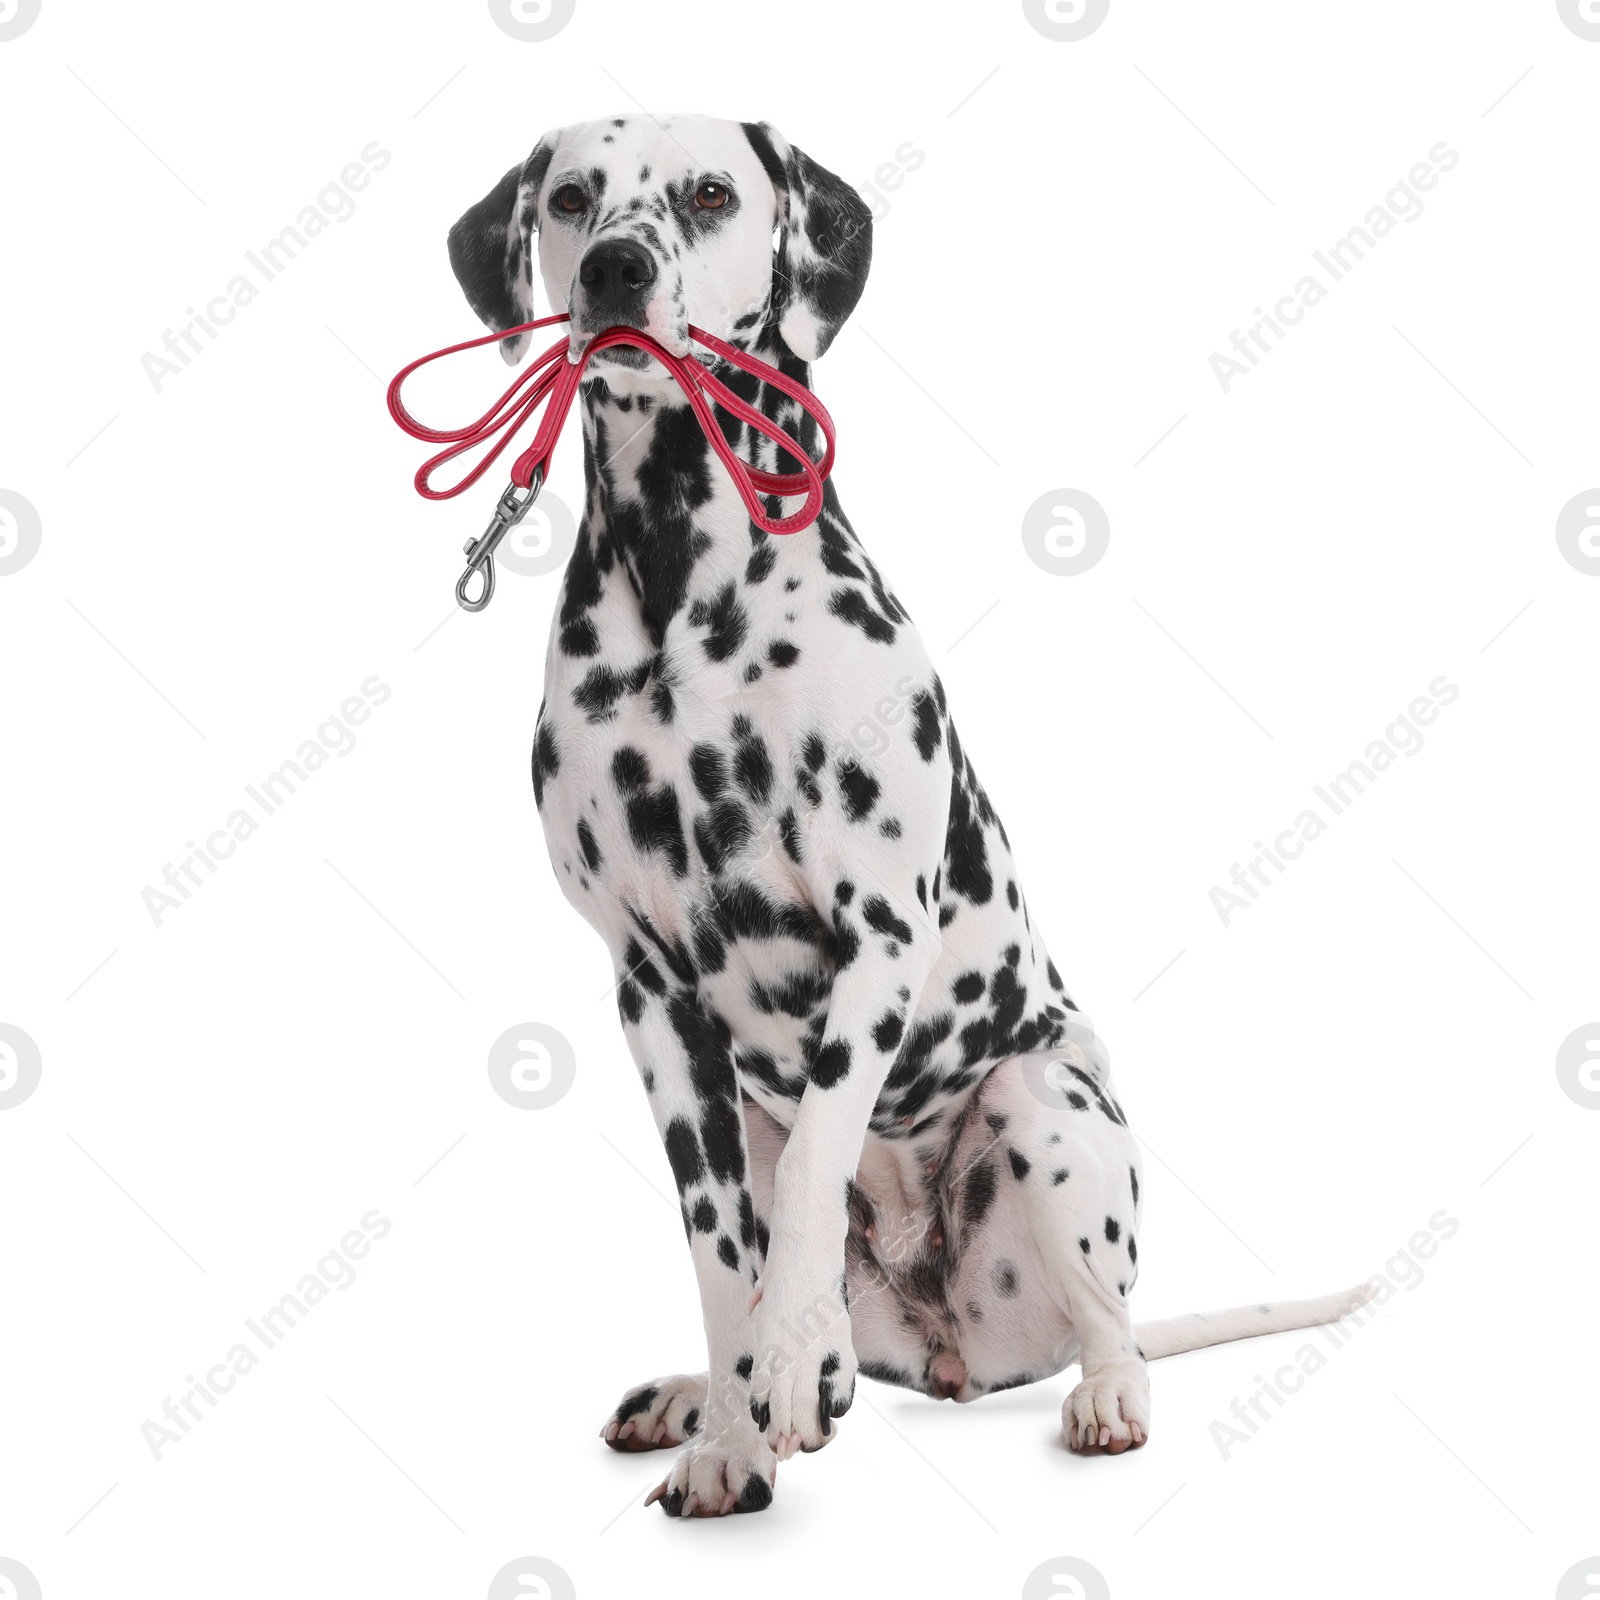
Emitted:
<point x="1173" y="1335"/>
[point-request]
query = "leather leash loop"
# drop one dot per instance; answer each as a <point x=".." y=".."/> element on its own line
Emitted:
<point x="554" y="377"/>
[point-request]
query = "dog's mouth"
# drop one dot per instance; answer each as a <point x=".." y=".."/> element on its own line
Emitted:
<point x="622" y="362"/>
<point x="623" y="355"/>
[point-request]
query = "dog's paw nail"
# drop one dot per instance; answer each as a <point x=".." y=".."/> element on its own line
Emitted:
<point x="657" y="1493"/>
<point x="690" y="1506"/>
<point x="659" y="1434"/>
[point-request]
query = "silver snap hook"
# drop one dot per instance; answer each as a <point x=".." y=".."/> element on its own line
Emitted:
<point x="512" y="508"/>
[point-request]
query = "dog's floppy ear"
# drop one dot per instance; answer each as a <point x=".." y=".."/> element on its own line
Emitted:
<point x="491" y="249"/>
<point x="825" y="244"/>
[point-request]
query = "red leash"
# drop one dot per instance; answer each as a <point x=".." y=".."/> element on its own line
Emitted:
<point x="555" y="377"/>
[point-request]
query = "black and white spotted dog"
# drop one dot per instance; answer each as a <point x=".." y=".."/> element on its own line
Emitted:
<point x="894" y="1137"/>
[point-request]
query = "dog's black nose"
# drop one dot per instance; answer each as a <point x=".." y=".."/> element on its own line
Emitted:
<point x="617" y="274"/>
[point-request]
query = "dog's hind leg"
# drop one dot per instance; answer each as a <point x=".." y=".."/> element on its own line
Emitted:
<point x="1076" y="1167"/>
<point x="684" y="1057"/>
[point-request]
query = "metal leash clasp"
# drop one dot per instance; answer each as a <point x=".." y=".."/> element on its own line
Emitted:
<point x="480" y="551"/>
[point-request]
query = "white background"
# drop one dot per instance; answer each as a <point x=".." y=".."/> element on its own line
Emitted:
<point x="1294" y="562"/>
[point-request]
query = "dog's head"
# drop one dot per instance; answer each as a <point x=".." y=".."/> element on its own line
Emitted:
<point x="660" y="222"/>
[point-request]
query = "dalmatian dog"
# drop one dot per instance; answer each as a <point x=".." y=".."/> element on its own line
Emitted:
<point x="894" y="1136"/>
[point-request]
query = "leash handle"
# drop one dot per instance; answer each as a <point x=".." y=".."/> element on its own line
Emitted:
<point x="553" y="376"/>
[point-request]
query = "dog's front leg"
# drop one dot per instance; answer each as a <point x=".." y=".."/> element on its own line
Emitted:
<point x="683" y="1056"/>
<point x="804" y="1362"/>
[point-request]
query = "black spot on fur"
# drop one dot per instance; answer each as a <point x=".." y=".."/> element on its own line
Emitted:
<point x="1004" y="1278"/>
<point x="850" y="605"/>
<point x="966" y="853"/>
<point x="709" y="770"/>
<point x="1113" y="1230"/>
<point x="641" y="968"/>
<point x="789" y="832"/>
<point x="1021" y="1166"/>
<point x="635" y="1404"/>
<point x="979" y="1195"/>
<point x="726" y="621"/>
<point x="783" y="654"/>
<point x="968" y="987"/>
<point x="579" y="638"/>
<point x="654" y="824"/>
<point x="762" y="560"/>
<point x="831" y="1064"/>
<point x="629" y="1001"/>
<point x="846" y="941"/>
<point x="745" y="912"/>
<point x="722" y="1133"/>
<point x="926" y="730"/>
<point x="881" y="918"/>
<point x="546" y="760"/>
<point x="661" y="547"/>
<point x="602" y="686"/>
<point x="798" y="994"/>
<point x="886" y="1032"/>
<point x="683" y="1152"/>
<point x="629" y="769"/>
<point x="588" y="845"/>
<point x="753" y="767"/>
<point x="756" y="1494"/>
<point x="860" y="790"/>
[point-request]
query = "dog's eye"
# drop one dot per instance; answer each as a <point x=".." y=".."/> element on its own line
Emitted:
<point x="571" y="199"/>
<point x="711" y="196"/>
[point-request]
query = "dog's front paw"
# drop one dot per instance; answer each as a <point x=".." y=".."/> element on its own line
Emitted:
<point x="804" y="1374"/>
<point x="659" y="1415"/>
<point x="713" y="1477"/>
<point x="1109" y="1412"/>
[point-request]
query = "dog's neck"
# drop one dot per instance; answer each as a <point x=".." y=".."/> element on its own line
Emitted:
<point x="655" y="492"/>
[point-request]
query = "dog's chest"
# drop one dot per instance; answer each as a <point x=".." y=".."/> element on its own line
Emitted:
<point x="736" y="733"/>
<point x="672" y="789"/>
